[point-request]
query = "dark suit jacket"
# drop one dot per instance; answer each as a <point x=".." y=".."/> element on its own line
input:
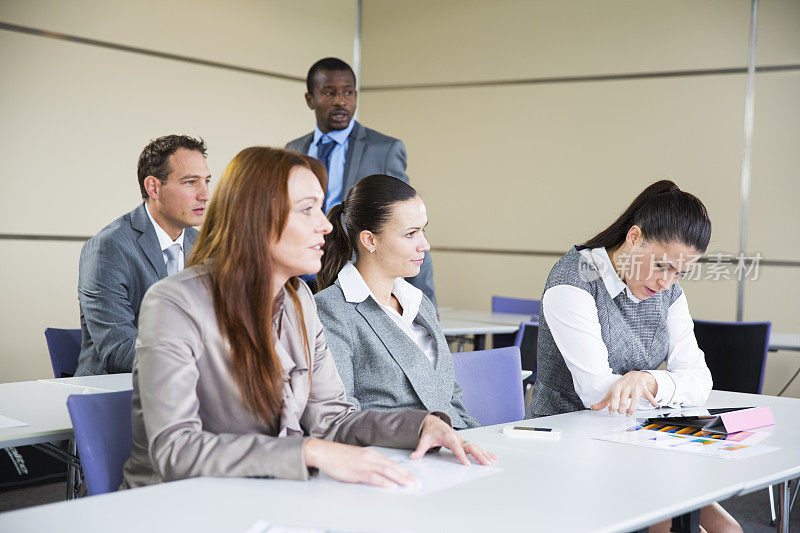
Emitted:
<point x="117" y="267"/>
<point x="370" y="152"/>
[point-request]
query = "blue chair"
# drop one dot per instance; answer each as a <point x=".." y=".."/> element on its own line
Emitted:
<point x="518" y="306"/>
<point x="102" y="424"/>
<point x="64" y="346"/>
<point x="736" y="353"/>
<point x="491" y="383"/>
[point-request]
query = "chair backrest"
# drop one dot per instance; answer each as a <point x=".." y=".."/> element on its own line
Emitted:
<point x="64" y="346"/>
<point x="736" y="353"/>
<point x="102" y="424"/>
<point x="492" y="384"/>
<point x="520" y="306"/>
<point x="528" y="341"/>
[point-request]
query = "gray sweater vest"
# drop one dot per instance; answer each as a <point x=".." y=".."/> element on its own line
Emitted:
<point x="635" y="335"/>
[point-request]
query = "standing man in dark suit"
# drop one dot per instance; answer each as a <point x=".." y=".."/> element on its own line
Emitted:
<point x="349" y="150"/>
<point x="151" y="242"/>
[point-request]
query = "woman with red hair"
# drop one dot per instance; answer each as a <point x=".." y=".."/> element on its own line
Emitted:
<point x="232" y="375"/>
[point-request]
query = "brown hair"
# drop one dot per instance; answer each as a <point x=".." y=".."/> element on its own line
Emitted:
<point x="247" y="212"/>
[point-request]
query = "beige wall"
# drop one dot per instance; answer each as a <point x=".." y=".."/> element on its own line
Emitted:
<point x="507" y="164"/>
<point x="76" y="116"/>
<point x="523" y="166"/>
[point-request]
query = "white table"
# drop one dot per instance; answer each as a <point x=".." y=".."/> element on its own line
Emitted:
<point x="106" y="382"/>
<point x="784" y="341"/>
<point x="43" y="405"/>
<point x="577" y="484"/>
<point x="460" y="322"/>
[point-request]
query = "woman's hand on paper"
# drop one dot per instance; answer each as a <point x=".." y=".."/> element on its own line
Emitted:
<point x="436" y="432"/>
<point x="355" y="464"/>
<point x="623" y="396"/>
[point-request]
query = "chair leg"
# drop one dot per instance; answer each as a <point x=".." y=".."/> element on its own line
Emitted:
<point x="73" y="485"/>
<point x="784" y="507"/>
<point x="528" y="395"/>
<point x="771" y="506"/>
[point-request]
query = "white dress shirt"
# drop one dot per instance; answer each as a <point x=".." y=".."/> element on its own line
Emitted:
<point x="165" y="241"/>
<point x="572" y="317"/>
<point x="356" y="290"/>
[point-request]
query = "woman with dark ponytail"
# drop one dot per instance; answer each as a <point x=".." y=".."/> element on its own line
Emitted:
<point x="232" y="376"/>
<point x="613" y="312"/>
<point x="383" y="332"/>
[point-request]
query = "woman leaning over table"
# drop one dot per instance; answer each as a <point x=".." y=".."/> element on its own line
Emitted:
<point x="383" y="332"/>
<point x="231" y="362"/>
<point x="613" y="312"/>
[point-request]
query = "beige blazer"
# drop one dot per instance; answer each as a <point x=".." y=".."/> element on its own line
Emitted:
<point x="189" y="418"/>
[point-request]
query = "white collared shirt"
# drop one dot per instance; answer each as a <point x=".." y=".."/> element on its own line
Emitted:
<point x="356" y="290"/>
<point x="572" y="318"/>
<point x="165" y="241"/>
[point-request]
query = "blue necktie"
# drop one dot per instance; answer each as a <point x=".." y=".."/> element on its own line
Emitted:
<point x="325" y="147"/>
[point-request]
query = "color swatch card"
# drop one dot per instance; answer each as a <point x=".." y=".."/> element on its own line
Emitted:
<point x="693" y="440"/>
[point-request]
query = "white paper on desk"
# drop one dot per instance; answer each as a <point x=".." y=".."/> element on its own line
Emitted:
<point x="435" y="472"/>
<point x="267" y="527"/>
<point x="6" y="422"/>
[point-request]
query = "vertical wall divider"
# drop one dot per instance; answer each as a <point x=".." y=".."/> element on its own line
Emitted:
<point x="357" y="49"/>
<point x="747" y="147"/>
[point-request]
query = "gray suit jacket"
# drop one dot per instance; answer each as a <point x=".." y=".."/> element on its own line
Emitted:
<point x="370" y="152"/>
<point x="117" y="267"/>
<point x="381" y="367"/>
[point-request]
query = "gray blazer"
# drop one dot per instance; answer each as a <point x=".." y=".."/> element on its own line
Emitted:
<point x="370" y="152"/>
<point x="381" y="367"/>
<point x="117" y="266"/>
<point x="188" y="416"/>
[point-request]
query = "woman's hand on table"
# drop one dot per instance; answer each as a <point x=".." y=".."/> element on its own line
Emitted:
<point x="436" y="432"/>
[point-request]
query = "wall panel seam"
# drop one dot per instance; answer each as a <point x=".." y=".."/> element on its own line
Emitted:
<point x="581" y="79"/>
<point x="146" y="52"/>
<point x="551" y="253"/>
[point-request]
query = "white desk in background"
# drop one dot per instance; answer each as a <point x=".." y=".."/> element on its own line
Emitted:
<point x="576" y="484"/>
<point x="784" y="341"/>
<point x="42" y="405"/>
<point x="462" y="322"/>
<point x="105" y="382"/>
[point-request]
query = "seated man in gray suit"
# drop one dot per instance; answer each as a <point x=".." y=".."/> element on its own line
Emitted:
<point x="350" y="151"/>
<point x="151" y="242"/>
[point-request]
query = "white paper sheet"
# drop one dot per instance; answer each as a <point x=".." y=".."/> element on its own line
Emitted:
<point x="267" y="527"/>
<point x="435" y="472"/>
<point x="6" y="422"/>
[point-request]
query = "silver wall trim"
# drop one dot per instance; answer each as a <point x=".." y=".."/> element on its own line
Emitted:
<point x="446" y="249"/>
<point x="144" y="51"/>
<point x="357" y="50"/>
<point x="577" y="79"/>
<point x="24" y="237"/>
<point x="747" y="146"/>
<point x="551" y="253"/>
